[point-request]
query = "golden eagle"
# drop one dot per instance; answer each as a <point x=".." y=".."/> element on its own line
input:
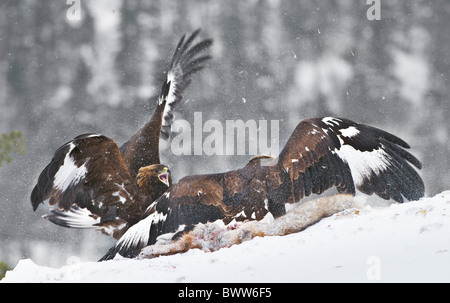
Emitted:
<point x="91" y="183"/>
<point x="321" y="153"/>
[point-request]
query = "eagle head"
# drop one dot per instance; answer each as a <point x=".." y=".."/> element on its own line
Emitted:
<point x="153" y="175"/>
<point x="164" y="176"/>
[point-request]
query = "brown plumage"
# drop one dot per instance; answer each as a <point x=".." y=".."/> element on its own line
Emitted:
<point x="88" y="185"/>
<point x="321" y="153"/>
<point x="91" y="183"/>
<point x="154" y="179"/>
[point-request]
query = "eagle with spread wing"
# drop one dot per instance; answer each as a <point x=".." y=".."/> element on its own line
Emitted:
<point x="92" y="183"/>
<point x="320" y="154"/>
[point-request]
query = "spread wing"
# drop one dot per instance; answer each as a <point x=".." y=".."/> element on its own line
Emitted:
<point x="87" y="185"/>
<point x="143" y="148"/>
<point x="326" y="152"/>
<point x="188" y="59"/>
<point x="320" y="154"/>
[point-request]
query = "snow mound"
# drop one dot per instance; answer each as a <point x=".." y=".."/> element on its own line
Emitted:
<point x="407" y="242"/>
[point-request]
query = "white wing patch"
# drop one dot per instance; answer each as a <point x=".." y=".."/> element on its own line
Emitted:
<point x="138" y="234"/>
<point x="76" y="217"/>
<point x="363" y="163"/>
<point x="135" y="235"/>
<point x="349" y="132"/>
<point x="331" y="121"/>
<point x="171" y="77"/>
<point x="69" y="174"/>
<point x="170" y="99"/>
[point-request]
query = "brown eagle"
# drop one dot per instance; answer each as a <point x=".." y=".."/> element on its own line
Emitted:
<point x="91" y="183"/>
<point x="321" y="153"/>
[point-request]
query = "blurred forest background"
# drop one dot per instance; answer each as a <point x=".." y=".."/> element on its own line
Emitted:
<point x="272" y="60"/>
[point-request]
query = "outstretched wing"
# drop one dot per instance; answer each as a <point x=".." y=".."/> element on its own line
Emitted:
<point x="321" y="153"/>
<point x="187" y="60"/>
<point x="87" y="185"/>
<point x="143" y="148"/>
<point x="326" y="152"/>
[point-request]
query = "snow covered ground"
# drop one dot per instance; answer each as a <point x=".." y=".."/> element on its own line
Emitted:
<point x="397" y="243"/>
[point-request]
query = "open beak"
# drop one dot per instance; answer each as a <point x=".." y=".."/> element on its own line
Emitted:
<point x="164" y="177"/>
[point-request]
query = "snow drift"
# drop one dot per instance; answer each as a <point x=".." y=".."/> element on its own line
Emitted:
<point x="407" y="242"/>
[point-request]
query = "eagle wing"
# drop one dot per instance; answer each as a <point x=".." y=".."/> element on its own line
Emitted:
<point x="326" y="152"/>
<point x="186" y="61"/>
<point x="192" y="200"/>
<point x="321" y="153"/>
<point x="88" y="185"/>
<point x="143" y="148"/>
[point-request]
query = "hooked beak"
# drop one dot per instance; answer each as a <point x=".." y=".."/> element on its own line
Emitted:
<point x="164" y="177"/>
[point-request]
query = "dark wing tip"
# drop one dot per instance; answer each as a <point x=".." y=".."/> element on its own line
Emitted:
<point x="386" y="136"/>
<point x="402" y="153"/>
<point x="127" y="252"/>
<point x="45" y="180"/>
<point x="185" y="50"/>
<point x="36" y="199"/>
<point x="112" y="252"/>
